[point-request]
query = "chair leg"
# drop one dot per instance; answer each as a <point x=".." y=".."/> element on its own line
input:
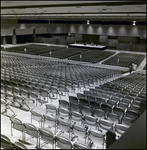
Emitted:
<point x="11" y="130"/>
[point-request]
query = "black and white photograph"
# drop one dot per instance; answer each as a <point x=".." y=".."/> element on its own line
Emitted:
<point x="73" y="74"/>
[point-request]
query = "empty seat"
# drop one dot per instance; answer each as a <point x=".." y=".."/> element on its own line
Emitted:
<point x="86" y="110"/>
<point x="81" y="133"/>
<point x="17" y="125"/>
<point x="127" y="121"/>
<point x="105" y="125"/>
<point x="31" y="130"/>
<point x="74" y="107"/>
<point x="99" y="114"/>
<point x="62" y="142"/>
<point x="51" y="109"/>
<point x="53" y="93"/>
<point x="37" y="116"/>
<point x="73" y="99"/>
<point x="90" y="122"/>
<point x="63" y="113"/>
<point x="120" y="129"/>
<point x="106" y="107"/>
<point x="113" y="117"/>
<point x="76" y="117"/>
<point x="64" y="104"/>
<point x="50" y="122"/>
<point x="97" y="138"/>
<point x="47" y="136"/>
<point x="64" y="128"/>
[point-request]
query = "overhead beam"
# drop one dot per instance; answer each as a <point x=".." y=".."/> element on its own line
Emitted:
<point x="103" y="3"/>
<point x="42" y="13"/>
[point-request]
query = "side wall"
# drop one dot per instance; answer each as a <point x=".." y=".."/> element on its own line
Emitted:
<point x="115" y="30"/>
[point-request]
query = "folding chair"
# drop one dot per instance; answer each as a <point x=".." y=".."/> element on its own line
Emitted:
<point x="90" y="122"/>
<point x="80" y="132"/>
<point x="51" y="109"/>
<point x="73" y="99"/>
<point x="51" y="122"/>
<point x="22" y="102"/>
<point x="64" y="128"/>
<point x="63" y="113"/>
<point x="63" y="91"/>
<point x="44" y="95"/>
<point x="120" y="129"/>
<point x="37" y="117"/>
<point x="97" y="139"/>
<point x="74" y="107"/>
<point x="17" y="125"/>
<point x="64" y="104"/>
<point x="76" y="117"/>
<point x="112" y="117"/>
<point x="47" y="136"/>
<point x="99" y="114"/>
<point x="33" y="97"/>
<point x="31" y="130"/>
<point x="63" y="142"/>
<point x="94" y="105"/>
<point x="105" y="125"/>
<point x="86" y="110"/>
<point x="53" y="93"/>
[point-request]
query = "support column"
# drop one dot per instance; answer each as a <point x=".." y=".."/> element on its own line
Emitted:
<point x="14" y="37"/>
<point x="34" y="34"/>
<point x="4" y="40"/>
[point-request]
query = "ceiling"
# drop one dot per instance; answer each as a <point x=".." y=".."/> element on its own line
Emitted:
<point x="75" y="10"/>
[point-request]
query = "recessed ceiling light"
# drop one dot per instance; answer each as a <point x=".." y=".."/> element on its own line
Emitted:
<point x="134" y="23"/>
<point x="87" y="21"/>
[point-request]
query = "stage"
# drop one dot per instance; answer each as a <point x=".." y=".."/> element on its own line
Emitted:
<point x="88" y="46"/>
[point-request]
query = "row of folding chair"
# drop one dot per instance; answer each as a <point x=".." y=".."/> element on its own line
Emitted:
<point x="72" y="84"/>
<point x="125" y="59"/>
<point x="59" y="140"/>
<point x="117" y="114"/>
<point x="126" y="103"/>
<point x="92" y="56"/>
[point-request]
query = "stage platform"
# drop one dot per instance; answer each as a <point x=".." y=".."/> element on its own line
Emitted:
<point x="88" y="46"/>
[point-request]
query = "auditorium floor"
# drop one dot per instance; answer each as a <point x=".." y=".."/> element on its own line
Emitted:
<point x="25" y="116"/>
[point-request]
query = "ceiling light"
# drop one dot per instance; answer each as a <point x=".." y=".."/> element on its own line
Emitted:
<point x="87" y="21"/>
<point x="134" y="23"/>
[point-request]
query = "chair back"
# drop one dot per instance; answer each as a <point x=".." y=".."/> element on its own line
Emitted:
<point x="51" y="109"/>
<point x="63" y="143"/>
<point x="120" y="128"/>
<point x="31" y="130"/>
<point x="17" y="124"/>
<point x="81" y="146"/>
<point x="46" y="135"/>
<point x="90" y="121"/>
<point x="96" y="137"/>
<point x="79" y="131"/>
